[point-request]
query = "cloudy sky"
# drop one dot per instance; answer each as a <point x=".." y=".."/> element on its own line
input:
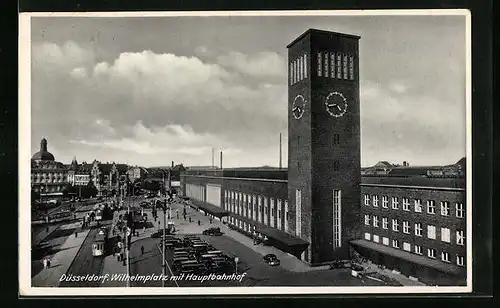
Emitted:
<point x="147" y="91"/>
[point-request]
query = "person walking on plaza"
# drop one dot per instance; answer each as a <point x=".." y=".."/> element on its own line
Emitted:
<point x="142" y="250"/>
<point x="48" y="263"/>
<point x="76" y="234"/>
<point x="144" y="229"/>
<point x="199" y="222"/>
<point x="44" y="263"/>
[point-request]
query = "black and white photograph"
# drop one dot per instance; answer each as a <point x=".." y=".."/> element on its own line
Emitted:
<point x="249" y="152"/>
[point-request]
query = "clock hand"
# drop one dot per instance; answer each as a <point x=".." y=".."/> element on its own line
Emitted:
<point x="338" y="108"/>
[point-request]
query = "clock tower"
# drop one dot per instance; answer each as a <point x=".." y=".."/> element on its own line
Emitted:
<point x="324" y="167"/>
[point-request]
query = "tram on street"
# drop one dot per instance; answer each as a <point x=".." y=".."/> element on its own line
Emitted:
<point x="98" y="215"/>
<point x="100" y="243"/>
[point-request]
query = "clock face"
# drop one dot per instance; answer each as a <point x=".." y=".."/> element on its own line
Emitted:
<point x="298" y="106"/>
<point x="336" y="104"/>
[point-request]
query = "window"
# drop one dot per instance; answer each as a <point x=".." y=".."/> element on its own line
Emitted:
<point x="395" y="203"/>
<point x="337" y="227"/>
<point x="351" y="67"/>
<point x="445" y="208"/>
<point x="431" y="207"/>
<point x="385" y="201"/>
<point x="336" y="139"/>
<point x="332" y="65"/>
<point x="376" y="239"/>
<point x="395" y="225"/>
<point x="375" y="221"/>
<point x="305" y="66"/>
<point x="336" y="165"/>
<point x="320" y="65"/>
<point x="460" y="260"/>
<point x="375" y="201"/>
<point x="367" y="200"/>
<point x="406" y="246"/>
<point x="431" y="253"/>
<point x="460" y="237"/>
<point x="406" y="227"/>
<point x="445" y="256"/>
<point x="431" y="232"/>
<point x="286" y="216"/>
<point x="459" y="210"/>
<point x="292" y="72"/>
<point x="326" y="70"/>
<point x="345" y="67"/>
<point x="445" y="235"/>
<point x="418" y="205"/>
<point x="367" y="236"/>
<point x="385" y="241"/>
<point x="406" y="204"/>
<point x="339" y="66"/>
<point x="418" y="249"/>
<point x="298" y="212"/>
<point x="367" y="220"/>
<point x="385" y="222"/>
<point x="418" y="229"/>
<point x="395" y="243"/>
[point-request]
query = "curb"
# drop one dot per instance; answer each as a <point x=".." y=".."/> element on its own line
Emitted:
<point x="46" y="236"/>
<point x="79" y="249"/>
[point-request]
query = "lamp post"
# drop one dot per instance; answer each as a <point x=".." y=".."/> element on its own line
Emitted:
<point x="163" y="242"/>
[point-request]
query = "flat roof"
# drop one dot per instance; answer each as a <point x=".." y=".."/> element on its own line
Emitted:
<point x="212" y="209"/>
<point x="281" y="236"/>
<point x="401" y="254"/>
<point x="322" y="32"/>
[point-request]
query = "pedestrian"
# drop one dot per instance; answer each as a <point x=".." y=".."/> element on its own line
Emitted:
<point x="47" y="229"/>
<point x="189" y="218"/>
<point x="48" y="263"/>
<point x="199" y="223"/>
<point x="142" y="250"/>
<point x="44" y="263"/>
<point x="144" y="229"/>
<point x="76" y="234"/>
<point x="210" y="219"/>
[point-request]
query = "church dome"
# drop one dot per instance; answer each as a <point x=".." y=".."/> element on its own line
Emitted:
<point x="43" y="154"/>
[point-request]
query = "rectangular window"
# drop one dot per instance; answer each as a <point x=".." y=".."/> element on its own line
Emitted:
<point x="286" y="216"/>
<point x="336" y="139"/>
<point x="385" y="202"/>
<point x="297" y="72"/>
<point x="351" y="67"/>
<point x="375" y="221"/>
<point x="385" y="241"/>
<point x="460" y="237"/>
<point x="445" y="208"/>
<point x="431" y="232"/>
<point x="395" y="203"/>
<point x="431" y="207"/>
<point x="376" y="239"/>
<point x="271" y="205"/>
<point x="266" y="211"/>
<point x="367" y="236"/>
<point x="459" y="210"/>
<point x="395" y="225"/>
<point x="418" y="205"/>
<point x="406" y="204"/>
<point x="418" y="249"/>
<point x="305" y="66"/>
<point x="332" y="64"/>
<point x="385" y="222"/>
<point x="418" y="229"/>
<point x="345" y="67"/>
<point x="445" y="235"/>
<point x="406" y="246"/>
<point x="298" y="212"/>
<point x="339" y="66"/>
<point x="367" y="200"/>
<point x="460" y="261"/>
<point x="290" y="73"/>
<point x="406" y="227"/>
<point x="302" y="72"/>
<point x="337" y="222"/>
<point x="431" y="253"/>
<point x="320" y="64"/>
<point x="375" y="201"/>
<point x="325" y="63"/>
<point x="367" y="220"/>
<point x="445" y="257"/>
<point x="259" y="216"/>
<point x="395" y="243"/>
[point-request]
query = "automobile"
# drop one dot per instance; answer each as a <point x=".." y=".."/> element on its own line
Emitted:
<point x="337" y="264"/>
<point x="212" y="231"/>
<point x="357" y="267"/>
<point x="159" y="233"/>
<point x="195" y="268"/>
<point x="271" y="259"/>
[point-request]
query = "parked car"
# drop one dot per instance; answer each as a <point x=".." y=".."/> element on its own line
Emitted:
<point x="271" y="259"/>
<point x="159" y="233"/>
<point x="356" y="267"/>
<point x="212" y="231"/>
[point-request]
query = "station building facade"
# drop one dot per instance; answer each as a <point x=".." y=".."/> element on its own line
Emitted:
<point x="324" y="207"/>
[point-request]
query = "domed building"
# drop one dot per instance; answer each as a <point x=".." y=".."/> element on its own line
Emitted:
<point x="48" y="177"/>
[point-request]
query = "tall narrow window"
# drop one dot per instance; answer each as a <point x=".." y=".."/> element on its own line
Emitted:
<point x="298" y="212"/>
<point x="332" y="64"/>
<point x="286" y="216"/>
<point x="325" y="64"/>
<point x="337" y="227"/>
<point x="336" y="139"/>
<point x="320" y="65"/>
<point x="301" y="72"/>
<point x="339" y="66"/>
<point x="297" y="71"/>
<point x="336" y="165"/>
<point x="345" y="66"/>
<point x="290" y="73"/>
<point x="271" y="212"/>
<point x="351" y="67"/>
<point x="305" y="66"/>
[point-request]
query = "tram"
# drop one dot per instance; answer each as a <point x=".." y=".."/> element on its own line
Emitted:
<point x="100" y="243"/>
<point x="98" y="215"/>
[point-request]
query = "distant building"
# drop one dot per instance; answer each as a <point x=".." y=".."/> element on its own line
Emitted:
<point x="48" y="177"/>
<point x="137" y="173"/>
<point x="109" y="178"/>
<point x="79" y="174"/>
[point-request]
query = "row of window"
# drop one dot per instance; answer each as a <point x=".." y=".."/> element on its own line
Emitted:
<point x="417" y="205"/>
<point x="43" y="175"/>
<point x="335" y="65"/>
<point x="196" y="192"/>
<point x="298" y="69"/>
<point x="431" y="230"/>
<point x="259" y="208"/>
<point x="49" y="180"/>
<point x="417" y="249"/>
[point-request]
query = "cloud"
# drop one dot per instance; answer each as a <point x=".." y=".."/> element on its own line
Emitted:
<point x="263" y="64"/>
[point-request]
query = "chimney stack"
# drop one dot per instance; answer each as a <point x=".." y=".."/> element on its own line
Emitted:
<point x="213" y="165"/>
<point x="172" y="164"/>
<point x="280" y="153"/>
<point x="221" y="159"/>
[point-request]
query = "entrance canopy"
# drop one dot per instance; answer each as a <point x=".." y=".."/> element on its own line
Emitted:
<point x="210" y="209"/>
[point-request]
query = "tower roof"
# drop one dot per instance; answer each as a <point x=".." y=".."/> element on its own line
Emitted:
<point x="43" y="154"/>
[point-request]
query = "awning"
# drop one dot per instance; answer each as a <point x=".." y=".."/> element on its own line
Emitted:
<point x="413" y="258"/>
<point x="211" y="209"/>
<point x="282" y="237"/>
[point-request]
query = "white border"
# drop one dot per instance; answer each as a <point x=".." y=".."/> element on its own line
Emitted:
<point x="24" y="141"/>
